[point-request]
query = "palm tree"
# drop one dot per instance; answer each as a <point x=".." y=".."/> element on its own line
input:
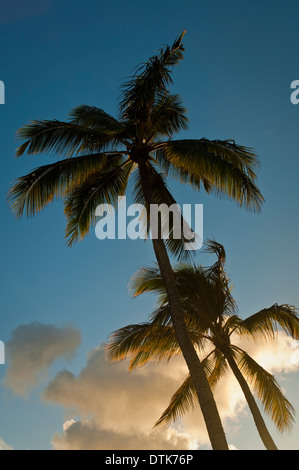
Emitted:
<point x="100" y="155"/>
<point x="212" y="321"/>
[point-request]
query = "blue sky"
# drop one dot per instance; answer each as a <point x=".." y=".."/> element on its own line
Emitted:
<point x="235" y="80"/>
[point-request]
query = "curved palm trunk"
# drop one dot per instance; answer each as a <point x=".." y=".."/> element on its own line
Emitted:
<point x="258" y="419"/>
<point x="203" y="390"/>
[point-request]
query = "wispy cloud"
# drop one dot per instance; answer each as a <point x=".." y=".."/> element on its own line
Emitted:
<point x="32" y="349"/>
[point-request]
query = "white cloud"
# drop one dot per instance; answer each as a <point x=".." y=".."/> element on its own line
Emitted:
<point x="278" y="356"/>
<point x="32" y="349"/>
<point x="4" y="446"/>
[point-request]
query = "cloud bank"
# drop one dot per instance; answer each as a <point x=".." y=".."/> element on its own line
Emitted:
<point x="109" y="408"/>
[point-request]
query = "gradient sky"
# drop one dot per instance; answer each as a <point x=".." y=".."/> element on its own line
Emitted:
<point x="240" y="60"/>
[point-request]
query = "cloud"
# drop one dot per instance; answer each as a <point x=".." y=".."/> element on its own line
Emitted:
<point x="279" y="356"/>
<point x="15" y="10"/>
<point x="109" y="408"/>
<point x="117" y="409"/>
<point x="88" y="435"/>
<point x="32" y="349"/>
<point x="4" y="446"/>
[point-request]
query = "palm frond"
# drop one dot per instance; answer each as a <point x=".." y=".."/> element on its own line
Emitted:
<point x="147" y="279"/>
<point x="142" y="343"/>
<point x="268" y="391"/>
<point x="162" y="315"/>
<point x="139" y="93"/>
<point x="97" y="119"/>
<point x="219" y="278"/>
<point x="215" y="248"/>
<point x="99" y="188"/>
<point x="63" y="138"/>
<point x="32" y="192"/>
<point x="219" y="368"/>
<point x="231" y="323"/>
<point x="184" y="398"/>
<point x="265" y="323"/>
<point x="181" y="402"/>
<point x="223" y="167"/>
<point x="183" y="175"/>
<point x="167" y="117"/>
<point x="203" y="300"/>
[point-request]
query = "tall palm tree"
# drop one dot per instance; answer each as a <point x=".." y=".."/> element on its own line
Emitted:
<point x="213" y="323"/>
<point x="100" y="155"/>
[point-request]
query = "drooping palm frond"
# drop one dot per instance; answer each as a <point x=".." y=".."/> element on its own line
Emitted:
<point x="184" y="398"/>
<point x="99" y="188"/>
<point x="183" y="175"/>
<point x="142" y="342"/>
<point x="161" y="316"/>
<point x="268" y="391"/>
<point x="194" y="152"/>
<point x="219" y="369"/>
<point x="265" y="323"/>
<point x="221" y="166"/>
<point x="32" y="192"/>
<point x="231" y="323"/>
<point x="181" y="402"/>
<point x="152" y="341"/>
<point x="64" y="138"/>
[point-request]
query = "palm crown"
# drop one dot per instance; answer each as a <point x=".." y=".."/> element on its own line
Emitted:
<point x="100" y="154"/>
<point x="213" y="323"/>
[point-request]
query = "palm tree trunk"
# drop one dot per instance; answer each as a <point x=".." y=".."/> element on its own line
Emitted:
<point x="204" y="393"/>
<point x="258" y="419"/>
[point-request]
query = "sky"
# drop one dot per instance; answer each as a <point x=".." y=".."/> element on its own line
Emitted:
<point x="59" y="304"/>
